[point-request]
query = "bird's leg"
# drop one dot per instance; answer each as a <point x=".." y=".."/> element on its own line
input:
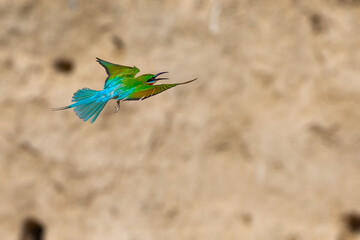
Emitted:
<point x="117" y="108"/>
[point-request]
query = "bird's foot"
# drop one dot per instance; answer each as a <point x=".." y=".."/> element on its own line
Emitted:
<point x="117" y="108"/>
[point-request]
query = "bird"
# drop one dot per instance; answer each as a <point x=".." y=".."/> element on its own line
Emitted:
<point x="121" y="84"/>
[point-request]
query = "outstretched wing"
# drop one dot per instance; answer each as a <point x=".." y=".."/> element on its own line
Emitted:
<point x="115" y="70"/>
<point x="151" y="90"/>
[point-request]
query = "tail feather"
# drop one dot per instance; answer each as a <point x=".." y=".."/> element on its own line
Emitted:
<point x="91" y="111"/>
<point x="97" y="113"/>
<point x="60" y="108"/>
<point x="82" y="94"/>
<point x="86" y="104"/>
<point x="82" y="109"/>
<point x="95" y="110"/>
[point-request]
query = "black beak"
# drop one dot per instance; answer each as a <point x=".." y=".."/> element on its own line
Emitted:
<point x="157" y="79"/>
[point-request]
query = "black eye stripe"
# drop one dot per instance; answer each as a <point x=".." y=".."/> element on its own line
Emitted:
<point x="151" y="79"/>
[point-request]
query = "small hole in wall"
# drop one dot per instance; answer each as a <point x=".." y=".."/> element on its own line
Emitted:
<point x="352" y="222"/>
<point x="32" y="230"/>
<point x="64" y="65"/>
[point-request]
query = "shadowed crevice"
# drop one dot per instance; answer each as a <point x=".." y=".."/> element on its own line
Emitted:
<point x="64" y="65"/>
<point x="352" y="222"/>
<point x="32" y="230"/>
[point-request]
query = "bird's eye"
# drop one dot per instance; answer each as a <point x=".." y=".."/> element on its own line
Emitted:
<point x="151" y="79"/>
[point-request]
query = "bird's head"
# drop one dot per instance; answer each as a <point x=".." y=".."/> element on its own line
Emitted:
<point x="150" y="79"/>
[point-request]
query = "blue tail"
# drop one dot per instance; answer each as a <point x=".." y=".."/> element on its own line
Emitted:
<point x="87" y="104"/>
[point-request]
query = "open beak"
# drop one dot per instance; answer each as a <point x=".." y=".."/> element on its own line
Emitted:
<point x="157" y="79"/>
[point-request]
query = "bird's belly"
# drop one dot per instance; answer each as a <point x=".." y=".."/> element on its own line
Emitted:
<point x="107" y="94"/>
<point x="122" y="93"/>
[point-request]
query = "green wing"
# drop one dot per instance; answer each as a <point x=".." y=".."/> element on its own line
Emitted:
<point x="115" y="70"/>
<point x="150" y="90"/>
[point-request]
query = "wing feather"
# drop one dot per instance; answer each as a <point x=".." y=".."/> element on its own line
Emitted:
<point x="115" y="70"/>
<point x="152" y="90"/>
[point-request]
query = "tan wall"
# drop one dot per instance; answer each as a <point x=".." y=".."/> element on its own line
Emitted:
<point x="264" y="146"/>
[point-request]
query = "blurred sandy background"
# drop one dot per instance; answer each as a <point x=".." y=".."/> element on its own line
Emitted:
<point x="264" y="146"/>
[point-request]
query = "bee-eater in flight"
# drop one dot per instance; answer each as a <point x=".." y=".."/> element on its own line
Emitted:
<point x="121" y="85"/>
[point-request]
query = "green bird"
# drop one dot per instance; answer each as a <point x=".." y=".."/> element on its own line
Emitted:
<point x="121" y="85"/>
